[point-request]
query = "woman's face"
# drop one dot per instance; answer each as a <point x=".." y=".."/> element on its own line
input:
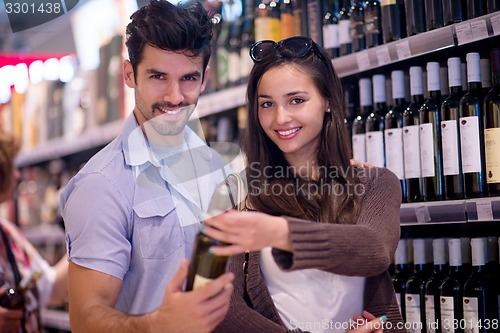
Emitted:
<point x="291" y="111"/>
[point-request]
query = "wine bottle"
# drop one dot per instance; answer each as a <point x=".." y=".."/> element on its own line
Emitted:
<point x="223" y="51"/>
<point x="492" y="6"/>
<point x="471" y="131"/>
<point x="492" y="127"/>
<point x="450" y="134"/>
<point x="350" y="105"/>
<point x="315" y="21"/>
<point x="415" y="287"/>
<point x="485" y="75"/>
<point x="267" y="21"/>
<point x="480" y="301"/>
<point x="402" y="272"/>
<point x="300" y="17"/>
<point x="475" y="8"/>
<point x="331" y="28"/>
<point x="492" y="266"/>
<point x="13" y="298"/>
<point x="359" y="124"/>
<point x="373" y="23"/>
<point x="235" y="23"/>
<point x="392" y="15"/>
<point x="287" y="19"/>
<point x="345" y="28"/>
<point x="205" y="266"/>
<point x="433" y="14"/>
<point x="415" y="17"/>
<point x="430" y="137"/>
<point x="247" y="40"/>
<point x="454" y="11"/>
<point x="432" y="293"/>
<point x="411" y="142"/>
<point x="443" y="81"/>
<point x="375" y="124"/>
<point x="393" y="132"/>
<point x="466" y="256"/>
<point x="451" y="290"/>
<point x="357" y="16"/>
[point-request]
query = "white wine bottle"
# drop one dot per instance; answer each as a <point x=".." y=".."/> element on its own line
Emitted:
<point x="206" y="266"/>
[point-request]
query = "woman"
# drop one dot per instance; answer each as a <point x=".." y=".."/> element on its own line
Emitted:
<point x="320" y="232"/>
<point x="20" y="262"/>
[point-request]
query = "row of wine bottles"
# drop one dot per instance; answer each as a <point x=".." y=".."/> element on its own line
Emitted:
<point x="451" y="285"/>
<point x="440" y="147"/>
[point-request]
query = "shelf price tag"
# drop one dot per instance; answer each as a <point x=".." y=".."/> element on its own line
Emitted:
<point x="363" y="60"/>
<point x="383" y="56"/>
<point x="403" y="50"/>
<point x="422" y="214"/>
<point x="479" y="29"/>
<point x="484" y="211"/>
<point x="495" y="24"/>
<point x="464" y="33"/>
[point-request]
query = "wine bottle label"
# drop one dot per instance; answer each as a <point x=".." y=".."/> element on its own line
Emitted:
<point x="387" y="2"/>
<point x="398" y="299"/>
<point x="274" y="32"/>
<point x="411" y="151"/>
<point x="471" y="314"/>
<point x="427" y="150"/>
<point x="394" y="151"/>
<point x="262" y="26"/>
<point x="359" y="147"/>
<point x="344" y="32"/>
<point x="413" y="312"/>
<point x="469" y="140"/>
<point x="447" y="314"/>
<point x="287" y="26"/>
<point x="200" y="281"/>
<point x="449" y="139"/>
<point x="371" y="22"/>
<point x="492" y="156"/>
<point x="375" y="148"/>
<point x="430" y="314"/>
<point x="331" y="36"/>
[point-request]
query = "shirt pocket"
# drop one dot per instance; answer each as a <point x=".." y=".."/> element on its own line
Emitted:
<point x="157" y="226"/>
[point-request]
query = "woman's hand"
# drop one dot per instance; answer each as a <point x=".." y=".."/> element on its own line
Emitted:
<point x="367" y="323"/>
<point x="247" y="231"/>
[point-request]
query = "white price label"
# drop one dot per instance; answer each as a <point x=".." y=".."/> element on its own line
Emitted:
<point x="383" y="56"/>
<point x="464" y="33"/>
<point x="403" y="50"/>
<point x="363" y="60"/>
<point x="479" y="29"/>
<point x="484" y="211"/>
<point x="495" y="24"/>
<point x="422" y="214"/>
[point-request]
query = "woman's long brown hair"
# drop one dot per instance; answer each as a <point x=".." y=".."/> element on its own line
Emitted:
<point x="272" y="188"/>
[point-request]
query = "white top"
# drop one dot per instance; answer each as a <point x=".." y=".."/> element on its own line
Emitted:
<point x="311" y="299"/>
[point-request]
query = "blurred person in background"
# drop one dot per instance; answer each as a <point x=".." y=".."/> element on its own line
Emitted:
<point x="27" y="281"/>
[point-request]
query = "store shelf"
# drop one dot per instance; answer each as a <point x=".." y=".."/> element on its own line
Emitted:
<point x="55" y="319"/>
<point x="454" y="35"/>
<point x="220" y="101"/>
<point x="453" y="211"/>
<point x="60" y="147"/>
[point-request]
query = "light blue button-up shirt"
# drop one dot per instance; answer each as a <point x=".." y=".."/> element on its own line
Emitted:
<point x="129" y="216"/>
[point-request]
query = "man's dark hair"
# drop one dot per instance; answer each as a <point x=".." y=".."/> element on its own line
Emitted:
<point x="185" y="28"/>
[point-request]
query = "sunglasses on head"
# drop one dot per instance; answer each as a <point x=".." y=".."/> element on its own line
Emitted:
<point x="299" y="45"/>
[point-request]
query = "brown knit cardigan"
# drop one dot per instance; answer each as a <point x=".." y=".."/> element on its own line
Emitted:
<point x="363" y="249"/>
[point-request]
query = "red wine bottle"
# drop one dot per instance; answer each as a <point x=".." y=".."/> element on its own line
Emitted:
<point x="375" y="124"/>
<point x="358" y="124"/>
<point x="454" y="11"/>
<point x="450" y="134"/>
<point x="492" y="127"/>
<point x="345" y="28"/>
<point x="411" y="143"/>
<point x="415" y="17"/>
<point x="402" y="271"/>
<point x="432" y="292"/>
<point x="393" y="15"/>
<point x="433" y="14"/>
<point x="373" y="23"/>
<point x="357" y="17"/>
<point x="471" y="131"/>
<point x="430" y="137"/>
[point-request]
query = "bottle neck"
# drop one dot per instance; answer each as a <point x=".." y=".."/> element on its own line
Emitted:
<point x="456" y="91"/>
<point x="399" y="102"/>
<point x="417" y="99"/>
<point x="496" y="79"/>
<point x="435" y="94"/>
<point x="475" y="87"/>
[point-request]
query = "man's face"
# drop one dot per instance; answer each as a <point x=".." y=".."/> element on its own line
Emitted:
<point x="167" y="86"/>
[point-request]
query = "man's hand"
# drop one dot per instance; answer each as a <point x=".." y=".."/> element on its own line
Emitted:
<point x="200" y="310"/>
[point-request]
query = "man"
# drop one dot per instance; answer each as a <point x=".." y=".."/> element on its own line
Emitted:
<point x="132" y="212"/>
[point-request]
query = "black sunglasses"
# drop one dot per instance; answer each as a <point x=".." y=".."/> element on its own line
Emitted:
<point x="299" y="45"/>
